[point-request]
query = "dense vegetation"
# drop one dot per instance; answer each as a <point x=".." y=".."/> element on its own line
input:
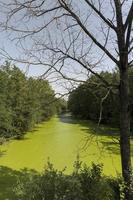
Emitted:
<point x="23" y="102"/>
<point x="85" y="183"/>
<point x="93" y="97"/>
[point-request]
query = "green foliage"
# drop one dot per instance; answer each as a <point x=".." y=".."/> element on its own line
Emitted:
<point x="61" y="106"/>
<point x="85" y="101"/>
<point x="83" y="184"/>
<point x="23" y="101"/>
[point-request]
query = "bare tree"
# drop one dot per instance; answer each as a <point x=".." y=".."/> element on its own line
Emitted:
<point x="84" y="34"/>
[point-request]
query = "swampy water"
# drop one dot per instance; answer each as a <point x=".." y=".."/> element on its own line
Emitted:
<point x="61" y="140"/>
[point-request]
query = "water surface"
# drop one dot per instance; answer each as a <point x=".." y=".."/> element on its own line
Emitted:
<point x="61" y="139"/>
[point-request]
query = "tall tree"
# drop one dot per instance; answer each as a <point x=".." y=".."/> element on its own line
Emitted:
<point x="23" y="103"/>
<point x="5" y="110"/>
<point x="82" y="31"/>
<point x="92" y="100"/>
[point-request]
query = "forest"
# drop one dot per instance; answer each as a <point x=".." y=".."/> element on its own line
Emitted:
<point x="93" y="101"/>
<point x="25" y="102"/>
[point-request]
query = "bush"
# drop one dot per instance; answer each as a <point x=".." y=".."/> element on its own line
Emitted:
<point x="84" y="183"/>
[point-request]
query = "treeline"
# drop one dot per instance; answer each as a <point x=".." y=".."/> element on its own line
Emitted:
<point x="23" y="102"/>
<point x="94" y="97"/>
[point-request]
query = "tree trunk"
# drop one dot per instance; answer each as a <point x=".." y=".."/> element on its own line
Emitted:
<point x="125" y="131"/>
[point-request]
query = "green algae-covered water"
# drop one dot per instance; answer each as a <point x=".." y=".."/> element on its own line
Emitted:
<point x="61" y="140"/>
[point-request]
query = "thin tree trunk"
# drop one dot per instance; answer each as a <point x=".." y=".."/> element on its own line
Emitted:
<point x="125" y="131"/>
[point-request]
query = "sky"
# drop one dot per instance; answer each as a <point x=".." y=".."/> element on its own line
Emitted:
<point x="52" y="36"/>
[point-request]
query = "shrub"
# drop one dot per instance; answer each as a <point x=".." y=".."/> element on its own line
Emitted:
<point x="85" y="183"/>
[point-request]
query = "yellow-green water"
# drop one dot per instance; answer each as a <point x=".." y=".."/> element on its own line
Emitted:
<point x="61" y="140"/>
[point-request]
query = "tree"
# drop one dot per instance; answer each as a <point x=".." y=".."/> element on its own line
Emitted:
<point x="92" y="100"/>
<point x="5" y="111"/>
<point x="79" y="38"/>
<point x="24" y="102"/>
<point x="61" y="105"/>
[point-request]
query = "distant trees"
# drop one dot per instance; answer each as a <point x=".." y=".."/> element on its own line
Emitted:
<point x="92" y="100"/>
<point x="61" y="106"/>
<point x="23" y="101"/>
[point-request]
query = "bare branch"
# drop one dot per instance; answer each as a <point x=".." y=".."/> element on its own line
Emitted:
<point x="101" y="105"/>
<point x="110" y="24"/>
<point x="64" y="5"/>
<point x="129" y="17"/>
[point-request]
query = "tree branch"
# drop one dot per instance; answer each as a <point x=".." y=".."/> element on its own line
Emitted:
<point x="111" y="25"/>
<point x="64" y="5"/>
<point x="129" y="17"/>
